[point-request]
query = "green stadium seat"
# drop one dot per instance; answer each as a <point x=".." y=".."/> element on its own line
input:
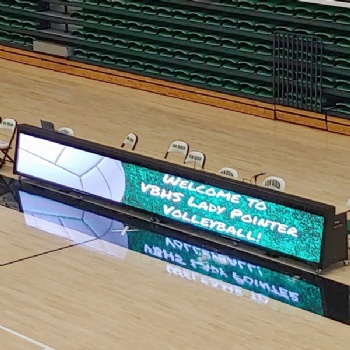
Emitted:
<point x="106" y="58"/>
<point x="151" y="49"/>
<point x="166" y="32"/>
<point x="231" y="84"/>
<point x="106" y="39"/>
<point x="327" y="38"/>
<point x="196" y="37"/>
<point x="230" y="63"/>
<point x="195" y="17"/>
<point x="107" y="21"/>
<point x="139" y="66"/>
<point x="265" y="28"/>
<point x="248" y="88"/>
<point x="245" y="25"/>
<point x="118" y="23"/>
<point x="94" y="56"/>
<point x="343" y="41"/>
<point x="213" y="40"/>
<point x="213" y="19"/>
<point x="269" y="5"/>
<point x="180" y="54"/>
<point x="343" y="17"/>
<point x="180" y="34"/>
<point x="133" y="26"/>
<point x="246" y="46"/>
<point x="285" y="8"/>
<point x="304" y="31"/>
<point x="165" y="52"/>
<point x="182" y="74"/>
<point x="263" y="49"/>
<point x="180" y="14"/>
<point x="120" y="43"/>
<point x="264" y="70"/>
<point x="306" y="12"/>
<point x="90" y="17"/>
<point x="3" y="20"/>
<point x="166" y="72"/>
<point x="135" y="45"/>
<point x="91" y="37"/>
<point x="214" y="81"/>
<point x="198" y="78"/>
<point x="326" y="13"/>
<point x="196" y="57"/>
<point x="164" y="12"/>
<point x="342" y="63"/>
<point x="78" y="15"/>
<point x="151" y="68"/>
<point x="327" y="60"/>
<point x="78" y="32"/>
<point x="121" y="62"/>
<point x="5" y="37"/>
<point x="264" y="91"/>
<point x="79" y="53"/>
<point x="343" y="85"/>
<point x="212" y="60"/>
<point x="134" y="7"/>
<point x="229" y="22"/>
<point x="231" y="43"/>
<point x="248" y="4"/>
<point x="343" y="107"/>
<point x="247" y="67"/>
<point x="149" y="29"/>
<point x="149" y="9"/>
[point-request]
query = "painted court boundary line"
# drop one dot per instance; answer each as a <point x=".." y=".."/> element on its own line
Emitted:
<point x="29" y="340"/>
<point x="46" y="252"/>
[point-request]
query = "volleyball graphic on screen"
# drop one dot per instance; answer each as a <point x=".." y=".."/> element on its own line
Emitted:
<point x="71" y="167"/>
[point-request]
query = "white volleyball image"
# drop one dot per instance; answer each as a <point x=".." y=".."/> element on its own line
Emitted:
<point x="71" y="167"/>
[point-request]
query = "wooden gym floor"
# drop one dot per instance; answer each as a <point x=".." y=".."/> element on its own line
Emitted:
<point x="76" y="298"/>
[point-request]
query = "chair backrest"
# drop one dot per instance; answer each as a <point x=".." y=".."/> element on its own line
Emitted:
<point x="274" y="182"/>
<point x="230" y="172"/>
<point x="130" y="139"/>
<point x="178" y="146"/>
<point x="196" y="157"/>
<point x="66" y="131"/>
<point x="8" y="123"/>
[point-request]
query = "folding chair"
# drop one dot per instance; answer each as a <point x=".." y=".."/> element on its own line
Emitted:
<point x="196" y="157"/>
<point x="230" y="172"/>
<point x="66" y="131"/>
<point x="177" y="146"/>
<point x="274" y="182"/>
<point x="131" y="139"/>
<point x="6" y="146"/>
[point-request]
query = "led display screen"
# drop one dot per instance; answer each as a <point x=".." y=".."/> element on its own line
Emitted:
<point x="185" y="260"/>
<point x="265" y="224"/>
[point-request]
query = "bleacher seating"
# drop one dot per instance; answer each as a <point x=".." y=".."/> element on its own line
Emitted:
<point x="226" y="48"/>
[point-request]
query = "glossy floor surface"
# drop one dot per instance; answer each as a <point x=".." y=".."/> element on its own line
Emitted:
<point x="64" y="294"/>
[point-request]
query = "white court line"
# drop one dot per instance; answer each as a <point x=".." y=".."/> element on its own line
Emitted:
<point x="30" y="340"/>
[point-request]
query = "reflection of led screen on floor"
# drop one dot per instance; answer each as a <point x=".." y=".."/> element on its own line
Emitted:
<point x="76" y="225"/>
<point x="184" y="260"/>
<point x="265" y="224"/>
<point x="227" y="273"/>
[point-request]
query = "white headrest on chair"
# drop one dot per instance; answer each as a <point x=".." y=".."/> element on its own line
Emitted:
<point x="178" y="146"/>
<point x="274" y="182"/>
<point x="131" y="139"/>
<point x="229" y="172"/>
<point x="196" y="157"/>
<point x="66" y="131"/>
<point x="8" y="123"/>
